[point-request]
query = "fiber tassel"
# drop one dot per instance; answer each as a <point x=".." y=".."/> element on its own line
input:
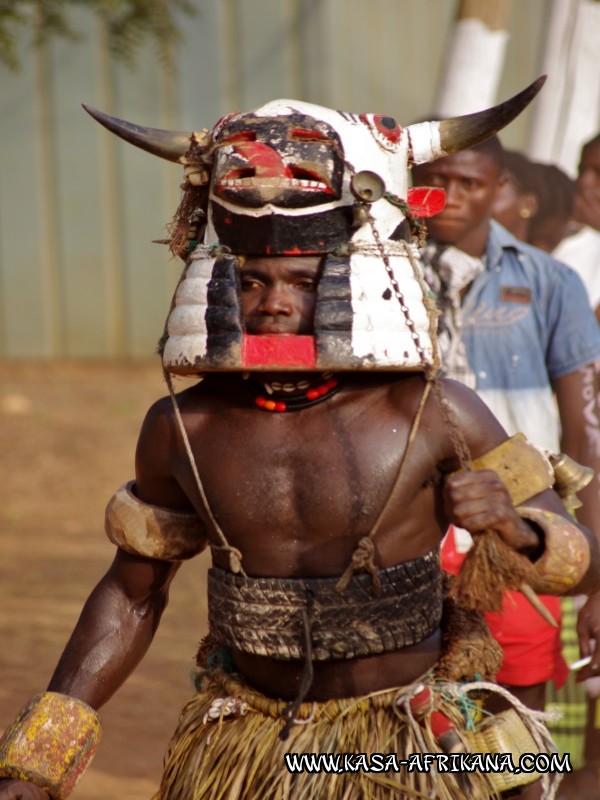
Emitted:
<point x="490" y="568"/>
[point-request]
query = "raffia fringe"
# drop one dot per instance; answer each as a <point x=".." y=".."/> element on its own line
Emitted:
<point x="490" y="568"/>
<point x="238" y="755"/>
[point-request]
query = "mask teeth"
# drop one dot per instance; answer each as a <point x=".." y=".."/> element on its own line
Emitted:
<point x="277" y="183"/>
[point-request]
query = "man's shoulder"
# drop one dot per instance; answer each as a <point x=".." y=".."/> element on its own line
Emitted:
<point x="459" y="395"/>
<point x="532" y="261"/>
<point x="186" y="399"/>
<point x="447" y="391"/>
<point x="465" y="420"/>
<point x="501" y="239"/>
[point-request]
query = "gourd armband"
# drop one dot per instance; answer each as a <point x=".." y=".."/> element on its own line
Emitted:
<point x="566" y="556"/>
<point x="147" y="530"/>
<point x="50" y="743"/>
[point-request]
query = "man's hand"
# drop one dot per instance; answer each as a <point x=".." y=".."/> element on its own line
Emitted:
<point x="588" y="630"/>
<point x="479" y="502"/>
<point x="21" y="790"/>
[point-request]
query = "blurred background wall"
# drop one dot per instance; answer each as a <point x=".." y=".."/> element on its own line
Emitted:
<point x="79" y="274"/>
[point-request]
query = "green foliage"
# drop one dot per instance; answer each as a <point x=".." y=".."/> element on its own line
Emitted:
<point x="128" y="23"/>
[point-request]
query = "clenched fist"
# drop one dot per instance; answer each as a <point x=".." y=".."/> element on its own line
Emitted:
<point x="479" y="502"/>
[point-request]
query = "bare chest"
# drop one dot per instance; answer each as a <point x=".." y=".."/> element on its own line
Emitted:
<point x="305" y="487"/>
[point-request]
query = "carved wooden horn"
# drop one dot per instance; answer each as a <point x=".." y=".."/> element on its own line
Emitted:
<point x="458" y="133"/>
<point x="171" y="145"/>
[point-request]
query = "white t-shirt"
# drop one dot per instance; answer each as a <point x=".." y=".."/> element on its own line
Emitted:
<point x="582" y="252"/>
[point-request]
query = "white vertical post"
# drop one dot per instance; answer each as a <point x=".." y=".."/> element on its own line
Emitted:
<point x="567" y="112"/>
<point x="474" y="57"/>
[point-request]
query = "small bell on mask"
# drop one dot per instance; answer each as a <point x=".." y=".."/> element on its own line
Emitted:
<point x="360" y="214"/>
<point x="367" y="187"/>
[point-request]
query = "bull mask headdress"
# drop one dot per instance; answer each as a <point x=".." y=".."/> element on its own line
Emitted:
<point x="295" y="178"/>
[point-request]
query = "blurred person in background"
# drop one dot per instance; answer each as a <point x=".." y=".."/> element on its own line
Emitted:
<point x="517" y="199"/>
<point x="555" y="208"/>
<point x="582" y="249"/>
<point x="516" y="326"/>
<point x="535" y="203"/>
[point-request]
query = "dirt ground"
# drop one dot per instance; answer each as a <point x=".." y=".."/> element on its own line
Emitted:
<point x="67" y="441"/>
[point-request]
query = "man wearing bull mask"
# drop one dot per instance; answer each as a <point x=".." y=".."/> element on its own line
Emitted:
<point x="321" y="459"/>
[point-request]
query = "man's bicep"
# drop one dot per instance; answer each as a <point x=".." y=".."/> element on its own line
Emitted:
<point x="471" y="422"/>
<point x="156" y="452"/>
<point x="138" y="577"/>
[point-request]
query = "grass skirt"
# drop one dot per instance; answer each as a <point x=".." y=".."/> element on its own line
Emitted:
<point x="227" y="747"/>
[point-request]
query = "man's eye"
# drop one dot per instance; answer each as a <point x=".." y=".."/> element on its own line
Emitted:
<point x="249" y="283"/>
<point x="307" y="285"/>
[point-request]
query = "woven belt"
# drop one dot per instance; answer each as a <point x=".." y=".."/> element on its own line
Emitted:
<point x="268" y="616"/>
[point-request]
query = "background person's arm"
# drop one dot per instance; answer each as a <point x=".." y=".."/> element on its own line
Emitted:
<point x="578" y="396"/>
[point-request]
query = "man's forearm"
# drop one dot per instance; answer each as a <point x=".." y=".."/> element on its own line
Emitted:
<point x="589" y="513"/>
<point x="578" y="398"/>
<point x="112" y="635"/>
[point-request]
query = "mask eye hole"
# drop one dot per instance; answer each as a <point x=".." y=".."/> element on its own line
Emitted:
<point x="388" y="127"/>
<point x="384" y="129"/>
<point x="306" y="135"/>
<point x="239" y="136"/>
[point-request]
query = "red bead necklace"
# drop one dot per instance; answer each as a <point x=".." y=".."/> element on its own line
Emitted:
<point x="311" y="397"/>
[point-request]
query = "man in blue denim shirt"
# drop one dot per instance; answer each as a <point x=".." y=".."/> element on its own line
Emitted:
<point x="517" y="327"/>
<point x="526" y="325"/>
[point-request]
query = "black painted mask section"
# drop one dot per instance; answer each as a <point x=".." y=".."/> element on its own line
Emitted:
<point x="292" y="161"/>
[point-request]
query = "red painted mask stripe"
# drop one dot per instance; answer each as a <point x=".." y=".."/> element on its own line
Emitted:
<point x="278" y="351"/>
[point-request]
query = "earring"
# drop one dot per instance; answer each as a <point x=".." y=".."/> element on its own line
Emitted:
<point x="524" y="213"/>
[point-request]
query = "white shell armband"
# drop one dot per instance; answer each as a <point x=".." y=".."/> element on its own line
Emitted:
<point x="146" y="530"/>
